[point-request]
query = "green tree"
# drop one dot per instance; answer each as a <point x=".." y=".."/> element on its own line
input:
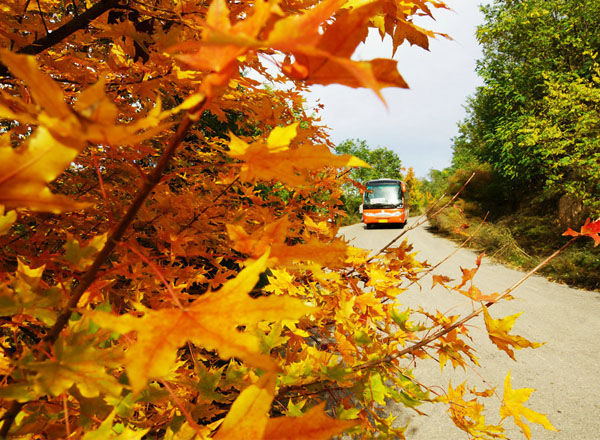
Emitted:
<point x="535" y="118"/>
<point x="384" y="162"/>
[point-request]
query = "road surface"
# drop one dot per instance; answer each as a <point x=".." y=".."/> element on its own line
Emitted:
<point x="565" y="371"/>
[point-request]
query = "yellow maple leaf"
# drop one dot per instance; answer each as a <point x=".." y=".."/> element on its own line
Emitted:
<point x="280" y="137"/>
<point x="26" y="171"/>
<point x="273" y="160"/>
<point x="6" y="220"/>
<point x="211" y="321"/>
<point x="498" y="332"/>
<point x="248" y="418"/>
<point x="468" y="414"/>
<point x="512" y="405"/>
<point x="106" y="431"/>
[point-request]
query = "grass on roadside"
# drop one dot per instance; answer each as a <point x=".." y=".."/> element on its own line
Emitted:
<point x="522" y="241"/>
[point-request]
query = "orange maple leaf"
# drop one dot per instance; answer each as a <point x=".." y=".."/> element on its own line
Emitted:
<point x="315" y="424"/>
<point x="589" y="229"/>
<point x="211" y="321"/>
<point x="248" y="418"/>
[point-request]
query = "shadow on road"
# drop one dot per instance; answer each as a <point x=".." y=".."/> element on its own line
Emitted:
<point x="384" y="226"/>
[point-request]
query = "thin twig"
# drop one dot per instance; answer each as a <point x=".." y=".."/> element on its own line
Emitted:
<point x="67" y="29"/>
<point x="103" y="190"/>
<point x="185" y="412"/>
<point x="210" y="205"/>
<point x="66" y="410"/>
<point x="463" y="244"/>
<point x="42" y="17"/>
<point x="158" y="273"/>
<point x="467" y="318"/>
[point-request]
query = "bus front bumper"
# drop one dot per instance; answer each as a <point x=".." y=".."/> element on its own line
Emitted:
<point x="384" y="216"/>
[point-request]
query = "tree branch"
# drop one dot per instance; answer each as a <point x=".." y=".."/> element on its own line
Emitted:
<point x="69" y="28"/>
<point x="446" y="330"/>
<point x="90" y="276"/>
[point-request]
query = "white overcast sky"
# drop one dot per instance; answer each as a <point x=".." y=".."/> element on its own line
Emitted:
<point x="420" y="122"/>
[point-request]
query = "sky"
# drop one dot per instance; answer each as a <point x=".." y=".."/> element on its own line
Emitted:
<point x="420" y="122"/>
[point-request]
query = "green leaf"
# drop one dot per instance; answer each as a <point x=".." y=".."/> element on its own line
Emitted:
<point x="83" y="256"/>
<point x="361" y="337"/>
<point x="375" y="390"/>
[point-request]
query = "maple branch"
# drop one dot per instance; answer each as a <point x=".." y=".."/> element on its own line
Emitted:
<point x="42" y="17"/>
<point x="467" y="318"/>
<point x="152" y="180"/>
<point x="90" y="276"/>
<point x="464" y="243"/>
<point x="69" y="28"/>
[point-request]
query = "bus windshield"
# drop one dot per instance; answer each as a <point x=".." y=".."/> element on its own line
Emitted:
<point x="384" y="196"/>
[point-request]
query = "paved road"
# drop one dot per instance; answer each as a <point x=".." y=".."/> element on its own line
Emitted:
<point x="565" y="371"/>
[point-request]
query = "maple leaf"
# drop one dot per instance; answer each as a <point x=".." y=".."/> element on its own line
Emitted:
<point x="77" y="362"/>
<point x="43" y="88"/>
<point x="589" y="229"/>
<point x="467" y="275"/>
<point x="248" y="418"/>
<point x="257" y="243"/>
<point x="211" y="321"/>
<point x="498" y="332"/>
<point x="6" y="220"/>
<point x="223" y="43"/>
<point x="27" y="297"/>
<point x="273" y="160"/>
<point x="512" y="406"/>
<point x="315" y="424"/>
<point x="26" y="171"/>
<point x="468" y="414"/>
<point x="441" y="280"/>
<point x="106" y="431"/>
<point x="328" y="61"/>
<point x="83" y="256"/>
<point x="328" y="254"/>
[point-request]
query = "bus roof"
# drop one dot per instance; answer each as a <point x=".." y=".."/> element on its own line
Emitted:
<point x="377" y="181"/>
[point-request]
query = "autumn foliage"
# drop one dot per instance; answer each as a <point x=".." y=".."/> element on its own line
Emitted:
<point x="169" y="267"/>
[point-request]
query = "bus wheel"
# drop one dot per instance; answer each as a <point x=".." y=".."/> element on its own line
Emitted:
<point x="369" y="225"/>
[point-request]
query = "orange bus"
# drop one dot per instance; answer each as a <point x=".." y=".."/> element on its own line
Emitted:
<point x="384" y="203"/>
